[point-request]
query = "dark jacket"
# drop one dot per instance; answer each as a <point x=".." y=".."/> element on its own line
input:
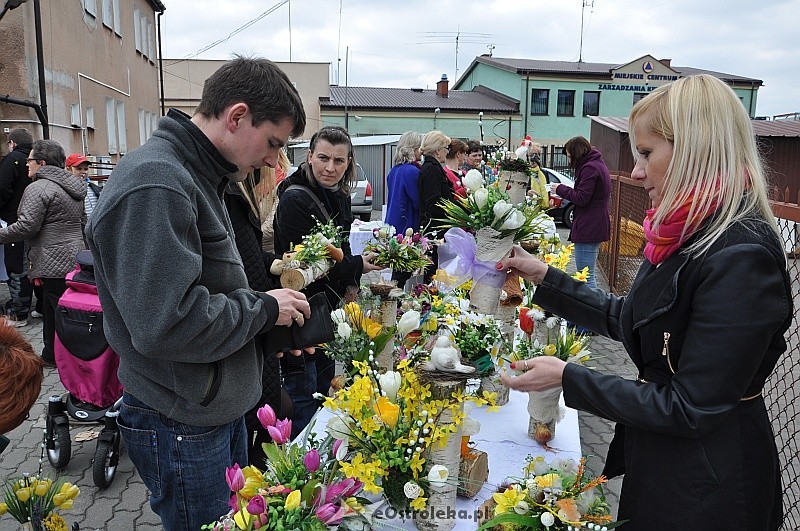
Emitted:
<point x="13" y="181"/>
<point x="296" y="216"/>
<point x="433" y="187"/>
<point x="51" y="219"/>
<point x="176" y="303"/>
<point x="247" y="231"/>
<point x="693" y="437"/>
<point x="591" y="223"/>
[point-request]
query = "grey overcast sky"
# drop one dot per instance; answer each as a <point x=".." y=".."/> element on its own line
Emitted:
<point x="411" y="43"/>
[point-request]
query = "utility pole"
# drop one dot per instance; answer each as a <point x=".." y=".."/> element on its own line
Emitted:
<point x="584" y="3"/>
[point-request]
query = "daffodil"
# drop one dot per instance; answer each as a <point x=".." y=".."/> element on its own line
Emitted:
<point x="419" y="504"/>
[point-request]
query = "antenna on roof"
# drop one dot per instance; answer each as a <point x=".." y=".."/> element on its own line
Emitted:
<point x="491" y="47"/>
<point x="584" y="4"/>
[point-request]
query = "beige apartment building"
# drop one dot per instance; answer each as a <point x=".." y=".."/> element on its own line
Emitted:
<point x="100" y="64"/>
<point x="184" y="78"/>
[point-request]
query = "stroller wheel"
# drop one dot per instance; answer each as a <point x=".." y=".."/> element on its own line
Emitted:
<point x="106" y="458"/>
<point x="59" y="439"/>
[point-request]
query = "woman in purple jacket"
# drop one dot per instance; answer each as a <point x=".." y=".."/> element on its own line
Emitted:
<point x="591" y="225"/>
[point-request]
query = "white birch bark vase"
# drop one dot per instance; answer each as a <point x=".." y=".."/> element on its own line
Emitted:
<point x="493" y="384"/>
<point x="515" y="184"/>
<point x="440" y="513"/>
<point x="545" y="412"/>
<point x="385" y="358"/>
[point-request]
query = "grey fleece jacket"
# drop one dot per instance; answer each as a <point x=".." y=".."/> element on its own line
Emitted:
<point x="176" y="304"/>
<point x="51" y="218"/>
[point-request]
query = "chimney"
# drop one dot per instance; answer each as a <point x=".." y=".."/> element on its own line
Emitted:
<point x="665" y="62"/>
<point x="442" y="86"/>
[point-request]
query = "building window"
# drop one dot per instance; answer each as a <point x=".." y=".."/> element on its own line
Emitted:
<point x="566" y="103"/>
<point x="637" y="96"/>
<point x="539" y="100"/>
<point x="137" y="33"/>
<point x="111" y="126"/>
<point x="591" y="103"/>
<point x="111" y="16"/>
<point x="90" y="6"/>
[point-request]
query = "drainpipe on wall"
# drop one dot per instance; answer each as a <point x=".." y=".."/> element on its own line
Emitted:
<point x="160" y="64"/>
<point x="37" y="22"/>
<point x="527" y="103"/>
<point x="752" y="89"/>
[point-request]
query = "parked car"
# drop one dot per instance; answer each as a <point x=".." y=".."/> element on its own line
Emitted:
<point x="360" y="195"/>
<point x="562" y="209"/>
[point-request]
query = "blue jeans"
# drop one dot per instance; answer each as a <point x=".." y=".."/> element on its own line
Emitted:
<point x="586" y="256"/>
<point x="301" y="384"/>
<point x="183" y="466"/>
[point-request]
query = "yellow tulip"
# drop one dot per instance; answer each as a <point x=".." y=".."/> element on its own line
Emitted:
<point x="373" y="329"/>
<point x="67" y="505"/>
<point x="388" y="412"/>
<point x="242" y="519"/>
<point x="292" y="501"/>
<point x="40" y="488"/>
<point x="550" y="350"/>
<point x="24" y="494"/>
<point x="3" y="508"/>
<point x="72" y="491"/>
<point x="353" y="311"/>
<point x="59" y="498"/>
<point x="574" y="349"/>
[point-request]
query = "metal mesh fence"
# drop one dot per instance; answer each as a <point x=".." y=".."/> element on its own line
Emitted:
<point x="620" y="259"/>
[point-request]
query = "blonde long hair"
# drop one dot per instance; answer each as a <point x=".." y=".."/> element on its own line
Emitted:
<point x="714" y="155"/>
<point x="259" y="190"/>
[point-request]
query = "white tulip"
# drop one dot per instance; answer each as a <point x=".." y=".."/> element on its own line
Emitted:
<point x="473" y="180"/>
<point x="339" y="316"/>
<point x="390" y="383"/>
<point x="481" y="196"/>
<point x="412" y="490"/>
<point x="408" y="323"/>
<point x="338" y="428"/>
<point x="514" y="221"/>
<point x="409" y="232"/>
<point x="344" y="330"/>
<point x="438" y="475"/>
<point x="501" y="208"/>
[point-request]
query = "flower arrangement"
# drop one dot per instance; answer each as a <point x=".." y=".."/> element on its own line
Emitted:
<point x="355" y="336"/>
<point x="569" y="346"/>
<point x="302" y="488"/>
<point x="490" y="207"/>
<point x="34" y="500"/>
<point x="322" y="243"/>
<point x="387" y="422"/>
<point x="557" y="496"/>
<point x="400" y="252"/>
<point x="478" y="338"/>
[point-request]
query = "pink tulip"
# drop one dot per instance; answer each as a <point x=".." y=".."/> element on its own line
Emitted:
<point x="257" y="504"/>
<point x="354" y="489"/>
<point x="335" y="491"/>
<point x="281" y="432"/>
<point x="266" y="415"/>
<point x="234" y="477"/>
<point x="330" y="514"/>
<point x="311" y="460"/>
<point x="416" y="237"/>
<point x="340" y="449"/>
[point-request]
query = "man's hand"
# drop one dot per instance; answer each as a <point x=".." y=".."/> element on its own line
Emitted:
<point x="292" y="306"/>
<point x="368" y="265"/>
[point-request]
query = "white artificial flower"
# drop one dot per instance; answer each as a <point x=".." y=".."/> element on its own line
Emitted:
<point x="338" y="428"/>
<point x="409" y="232"/>
<point x="553" y="322"/>
<point x="473" y="180"/>
<point x="515" y="220"/>
<point x="522" y="507"/>
<point x="547" y="519"/>
<point x="344" y="330"/>
<point x="481" y="196"/>
<point x="341" y="451"/>
<point x="568" y="466"/>
<point x="585" y="500"/>
<point x="540" y="466"/>
<point x="438" y="475"/>
<point x="463" y="305"/>
<point x="536" y="314"/>
<point x="501" y="208"/>
<point x="412" y="490"/>
<point x="339" y="316"/>
<point x="390" y="383"/>
<point x="408" y="323"/>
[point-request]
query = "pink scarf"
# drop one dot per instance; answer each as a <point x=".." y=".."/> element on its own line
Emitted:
<point x="668" y="239"/>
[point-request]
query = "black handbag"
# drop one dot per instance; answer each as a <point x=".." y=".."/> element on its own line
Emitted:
<point x="317" y="329"/>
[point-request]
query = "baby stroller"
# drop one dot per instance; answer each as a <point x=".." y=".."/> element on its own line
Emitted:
<point x="87" y="368"/>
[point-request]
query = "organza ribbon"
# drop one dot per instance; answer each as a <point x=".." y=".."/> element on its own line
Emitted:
<point x="457" y="259"/>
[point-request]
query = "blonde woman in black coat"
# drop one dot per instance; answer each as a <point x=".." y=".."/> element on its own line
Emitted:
<point x="704" y="323"/>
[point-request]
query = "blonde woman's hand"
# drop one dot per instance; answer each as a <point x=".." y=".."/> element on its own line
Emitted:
<point x="541" y="373"/>
<point x="525" y="264"/>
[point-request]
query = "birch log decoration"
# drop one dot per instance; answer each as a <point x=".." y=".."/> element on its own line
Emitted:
<point x="515" y="184"/>
<point x="440" y="513"/>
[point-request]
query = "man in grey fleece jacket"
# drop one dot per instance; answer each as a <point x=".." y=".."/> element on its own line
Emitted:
<point x="177" y="307"/>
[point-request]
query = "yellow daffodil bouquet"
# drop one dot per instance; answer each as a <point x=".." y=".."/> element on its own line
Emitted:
<point x="303" y="487"/>
<point x="355" y="335"/>
<point x="35" y="500"/>
<point x="387" y="422"/>
<point x="400" y="252"/>
<point x="311" y="258"/>
<point x="557" y="496"/>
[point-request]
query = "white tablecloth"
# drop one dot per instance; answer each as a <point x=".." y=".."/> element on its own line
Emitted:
<point x="504" y="436"/>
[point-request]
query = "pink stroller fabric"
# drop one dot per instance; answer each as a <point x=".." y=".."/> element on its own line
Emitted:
<point x="86" y="363"/>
